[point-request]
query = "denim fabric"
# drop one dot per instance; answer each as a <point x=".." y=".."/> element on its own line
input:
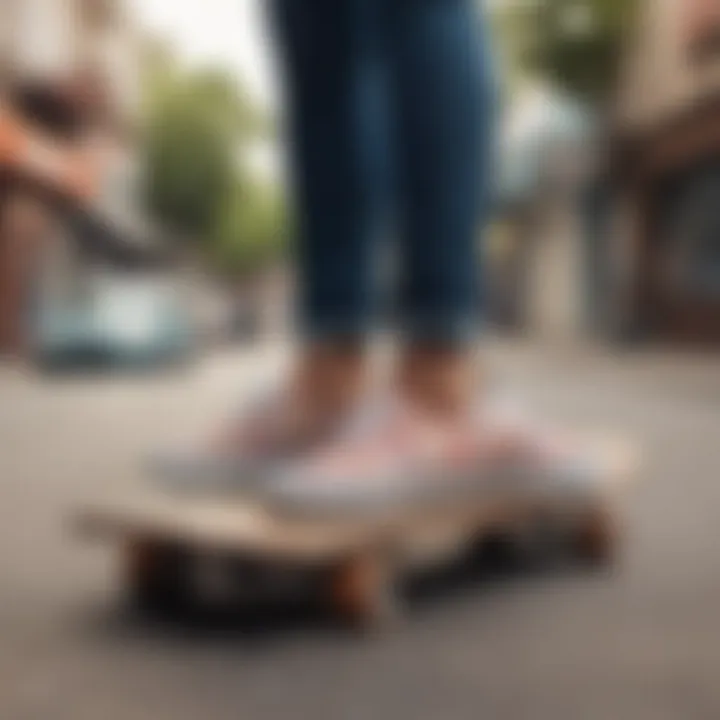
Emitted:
<point x="390" y="109"/>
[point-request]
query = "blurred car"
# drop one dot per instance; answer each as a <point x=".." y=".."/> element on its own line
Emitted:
<point x="114" y="319"/>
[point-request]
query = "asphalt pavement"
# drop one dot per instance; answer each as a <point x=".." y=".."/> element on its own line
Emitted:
<point x="639" y="643"/>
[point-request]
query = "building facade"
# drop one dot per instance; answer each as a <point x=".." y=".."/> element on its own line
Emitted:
<point x="667" y="163"/>
<point x="69" y="97"/>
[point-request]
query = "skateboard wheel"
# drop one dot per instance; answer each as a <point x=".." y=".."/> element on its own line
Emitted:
<point x="497" y="549"/>
<point x="530" y="541"/>
<point x="363" y="593"/>
<point x="596" y="537"/>
<point x="156" y="577"/>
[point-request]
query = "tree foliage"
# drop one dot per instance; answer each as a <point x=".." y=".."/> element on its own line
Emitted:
<point x="199" y="123"/>
<point x="251" y="231"/>
<point x="576" y="43"/>
<point x="190" y="165"/>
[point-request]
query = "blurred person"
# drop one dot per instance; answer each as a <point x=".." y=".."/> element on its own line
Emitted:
<point x="390" y="112"/>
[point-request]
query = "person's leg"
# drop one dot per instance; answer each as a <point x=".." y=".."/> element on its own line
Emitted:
<point x="427" y="441"/>
<point x="327" y="58"/>
<point x="443" y="92"/>
<point x="326" y="64"/>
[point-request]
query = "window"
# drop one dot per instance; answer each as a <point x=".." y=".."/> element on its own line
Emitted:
<point x="693" y="253"/>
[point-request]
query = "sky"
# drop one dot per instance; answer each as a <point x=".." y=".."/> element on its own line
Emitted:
<point x="230" y="33"/>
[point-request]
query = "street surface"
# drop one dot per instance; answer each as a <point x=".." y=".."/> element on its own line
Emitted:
<point x="640" y="644"/>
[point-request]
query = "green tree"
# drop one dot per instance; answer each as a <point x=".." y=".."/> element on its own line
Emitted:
<point x="189" y="169"/>
<point x="251" y="231"/>
<point x="198" y="124"/>
<point x="575" y="43"/>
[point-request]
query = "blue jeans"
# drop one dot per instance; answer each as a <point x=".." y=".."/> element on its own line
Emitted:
<point x="390" y="108"/>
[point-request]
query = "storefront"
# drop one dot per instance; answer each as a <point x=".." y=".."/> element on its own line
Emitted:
<point x="667" y="161"/>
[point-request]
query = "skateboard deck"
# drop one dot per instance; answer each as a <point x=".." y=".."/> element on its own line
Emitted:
<point x="359" y="559"/>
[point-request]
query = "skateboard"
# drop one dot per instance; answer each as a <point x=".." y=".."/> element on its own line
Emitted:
<point x="173" y="546"/>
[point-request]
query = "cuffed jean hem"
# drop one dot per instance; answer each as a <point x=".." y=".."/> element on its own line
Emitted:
<point x="336" y="330"/>
<point x="434" y="331"/>
<point x="440" y="330"/>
